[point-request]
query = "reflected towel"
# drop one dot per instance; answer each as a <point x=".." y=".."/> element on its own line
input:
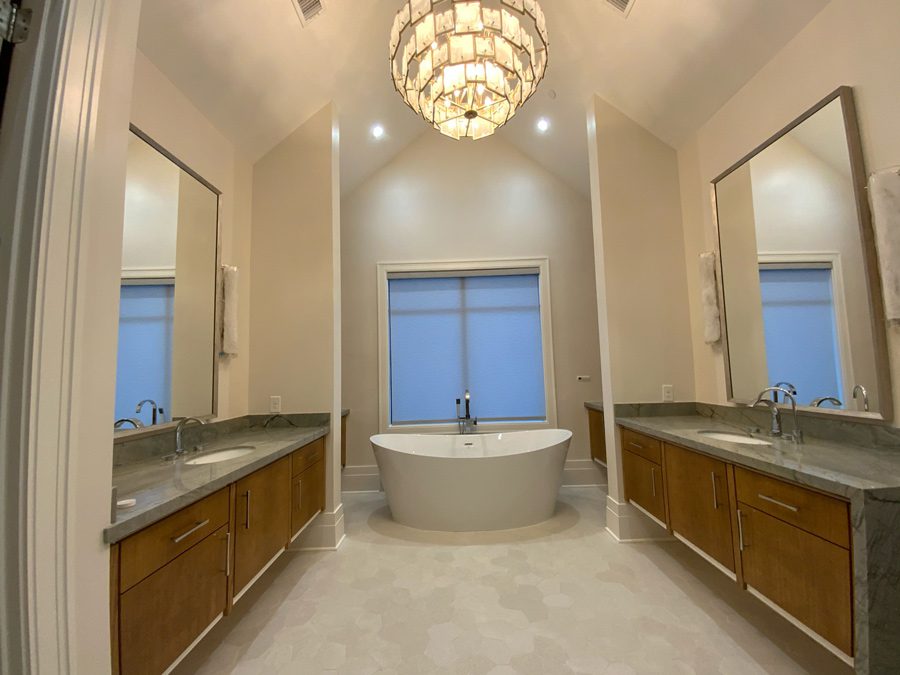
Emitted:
<point x="709" y="298"/>
<point x="884" y="194"/>
<point x="230" y="310"/>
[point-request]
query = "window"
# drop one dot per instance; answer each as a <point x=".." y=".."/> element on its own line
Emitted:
<point x="479" y="328"/>
<point x="146" y="317"/>
<point x="801" y="330"/>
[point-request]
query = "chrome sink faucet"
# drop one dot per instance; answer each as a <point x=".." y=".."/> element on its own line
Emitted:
<point x="120" y="424"/>
<point x="156" y="411"/>
<point x="797" y="435"/>
<point x="179" y="449"/>
<point x="791" y="389"/>
<point x="817" y="402"/>
<point x="466" y="423"/>
<point x="861" y="390"/>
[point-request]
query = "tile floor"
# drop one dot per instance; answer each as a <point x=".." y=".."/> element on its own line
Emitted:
<point x="561" y="597"/>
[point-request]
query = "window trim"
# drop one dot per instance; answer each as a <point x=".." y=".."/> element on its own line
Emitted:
<point x="386" y="270"/>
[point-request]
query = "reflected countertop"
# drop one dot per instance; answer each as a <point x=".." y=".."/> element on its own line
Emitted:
<point x="849" y="470"/>
<point x="162" y="487"/>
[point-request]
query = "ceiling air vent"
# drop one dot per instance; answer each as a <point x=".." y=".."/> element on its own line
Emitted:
<point x="307" y="10"/>
<point x="623" y="6"/>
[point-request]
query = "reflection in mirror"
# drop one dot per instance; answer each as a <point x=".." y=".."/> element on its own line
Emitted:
<point x="167" y="307"/>
<point x="794" y="269"/>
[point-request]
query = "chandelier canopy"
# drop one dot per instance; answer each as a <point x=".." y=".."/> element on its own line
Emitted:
<point x="467" y="66"/>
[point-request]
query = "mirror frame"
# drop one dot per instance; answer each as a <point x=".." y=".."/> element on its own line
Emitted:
<point x="122" y="434"/>
<point x="867" y="240"/>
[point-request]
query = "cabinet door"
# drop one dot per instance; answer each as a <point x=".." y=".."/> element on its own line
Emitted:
<point x="805" y="575"/>
<point x="307" y="495"/>
<point x="262" y="519"/>
<point x="644" y="484"/>
<point x="163" y="614"/>
<point x="699" y="508"/>
<point x="598" y="435"/>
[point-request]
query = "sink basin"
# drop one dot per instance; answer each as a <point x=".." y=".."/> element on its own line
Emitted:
<point x="222" y="455"/>
<point x="733" y="438"/>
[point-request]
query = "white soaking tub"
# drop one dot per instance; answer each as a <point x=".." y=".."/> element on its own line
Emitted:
<point x="473" y="482"/>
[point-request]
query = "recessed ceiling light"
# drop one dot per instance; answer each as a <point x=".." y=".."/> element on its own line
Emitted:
<point x="377" y="131"/>
<point x="543" y="125"/>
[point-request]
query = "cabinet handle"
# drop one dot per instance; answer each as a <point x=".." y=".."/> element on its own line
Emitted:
<point x="778" y="503"/>
<point x="653" y="479"/>
<point x="247" y="515"/>
<point x="181" y="537"/>
<point x="299" y="493"/>
<point x="740" y="519"/>
<point x="636" y="445"/>
<point x="712" y="475"/>
<point x="228" y="554"/>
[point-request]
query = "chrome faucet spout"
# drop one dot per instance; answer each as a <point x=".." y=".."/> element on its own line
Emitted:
<point x="156" y="411"/>
<point x="817" y="402"/>
<point x="179" y="448"/>
<point x="860" y="390"/>
<point x="466" y="423"/>
<point x="120" y="424"/>
<point x="797" y="435"/>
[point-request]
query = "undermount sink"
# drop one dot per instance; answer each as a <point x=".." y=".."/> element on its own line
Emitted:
<point x="222" y="455"/>
<point x="732" y="438"/>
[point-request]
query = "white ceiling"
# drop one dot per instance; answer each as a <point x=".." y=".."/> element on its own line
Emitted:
<point x="257" y="74"/>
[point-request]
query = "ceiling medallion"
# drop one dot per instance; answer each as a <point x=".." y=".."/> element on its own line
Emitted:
<point x="468" y="66"/>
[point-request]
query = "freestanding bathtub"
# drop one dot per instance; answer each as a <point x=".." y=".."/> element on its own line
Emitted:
<point x="473" y="482"/>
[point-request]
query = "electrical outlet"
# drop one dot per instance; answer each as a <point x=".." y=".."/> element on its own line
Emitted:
<point x="274" y="404"/>
<point x="583" y="378"/>
<point x="668" y="393"/>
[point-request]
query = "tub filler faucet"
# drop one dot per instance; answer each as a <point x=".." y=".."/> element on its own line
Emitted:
<point x="466" y="423"/>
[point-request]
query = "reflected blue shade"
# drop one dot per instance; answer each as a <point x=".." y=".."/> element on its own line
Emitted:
<point x="144" y="369"/>
<point x="450" y="334"/>
<point x="801" y="331"/>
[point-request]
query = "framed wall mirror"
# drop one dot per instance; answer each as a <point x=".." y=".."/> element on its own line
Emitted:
<point x="166" y="366"/>
<point x="799" y="277"/>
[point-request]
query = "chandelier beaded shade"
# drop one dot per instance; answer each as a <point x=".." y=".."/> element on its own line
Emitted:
<point x="467" y="66"/>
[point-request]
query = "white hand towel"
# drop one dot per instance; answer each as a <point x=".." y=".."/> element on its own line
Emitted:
<point x="709" y="298"/>
<point x="230" y="310"/>
<point x="884" y="194"/>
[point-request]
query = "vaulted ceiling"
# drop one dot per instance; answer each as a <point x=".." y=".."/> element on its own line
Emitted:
<point x="257" y="73"/>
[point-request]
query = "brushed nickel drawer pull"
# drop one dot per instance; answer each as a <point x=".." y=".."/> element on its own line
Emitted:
<point x="228" y="554"/>
<point x="181" y="537"/>
<point x="777" y="503"/>
<point x="740" y="519"/>
<point x="653" y="480"/>
<point x="715" y="492"/>
<point x="247" y="515"/>
<point x="635" y="445"/>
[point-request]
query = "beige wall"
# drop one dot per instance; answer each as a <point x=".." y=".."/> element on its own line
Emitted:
<point x="295" y="299"/>
<point x="446" y="200"/>
<point x="846" y="44"/>
<point x="643" y="322"/>
<point x="165" y="114"/>
<point x="194" y="327"/>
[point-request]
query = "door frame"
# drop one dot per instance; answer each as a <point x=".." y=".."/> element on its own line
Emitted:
<point x="64" y="202"/>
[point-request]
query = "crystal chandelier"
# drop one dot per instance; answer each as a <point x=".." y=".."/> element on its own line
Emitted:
<point x="467" y="66"/>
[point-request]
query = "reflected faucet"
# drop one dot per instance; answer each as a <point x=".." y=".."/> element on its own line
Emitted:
<point x="817" y="402"/>
<point x="797" y="435"/>
<point x="791" y="389"/>
<point x="467" y="423"/>
<point x="156" y="410"/>
<point x="179" y="449"/>
<point x="120" y="424"/>
<point x="861" y="390"/>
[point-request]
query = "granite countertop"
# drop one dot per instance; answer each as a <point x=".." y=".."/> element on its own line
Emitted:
<point x="162" y="487"/>
<point x="843" y="469"/>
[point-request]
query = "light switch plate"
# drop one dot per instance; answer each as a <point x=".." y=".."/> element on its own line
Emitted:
<point x="668" y="393"/>
<point x="274" y="404"/>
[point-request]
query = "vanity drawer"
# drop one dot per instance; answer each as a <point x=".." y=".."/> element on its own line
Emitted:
<point x="645" y="446"/>
<point x="824" y="516"/>
<point x="155" y="546"/>
<point x="306" y="456"/>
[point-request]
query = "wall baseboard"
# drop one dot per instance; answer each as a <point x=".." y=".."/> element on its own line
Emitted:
<point x="628" y="524"/>
<point x="325" y="533"/>
<point x="577" y="472"/>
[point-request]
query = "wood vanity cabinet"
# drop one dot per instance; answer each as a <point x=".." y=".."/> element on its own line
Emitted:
<point x="307" y="484"/>
<point x="643" y="473"/>
<point x="262" y="520"/>
<point x="699" y="503"/>
<point x="597" y="435"/>
<point x="795" y="551"/>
